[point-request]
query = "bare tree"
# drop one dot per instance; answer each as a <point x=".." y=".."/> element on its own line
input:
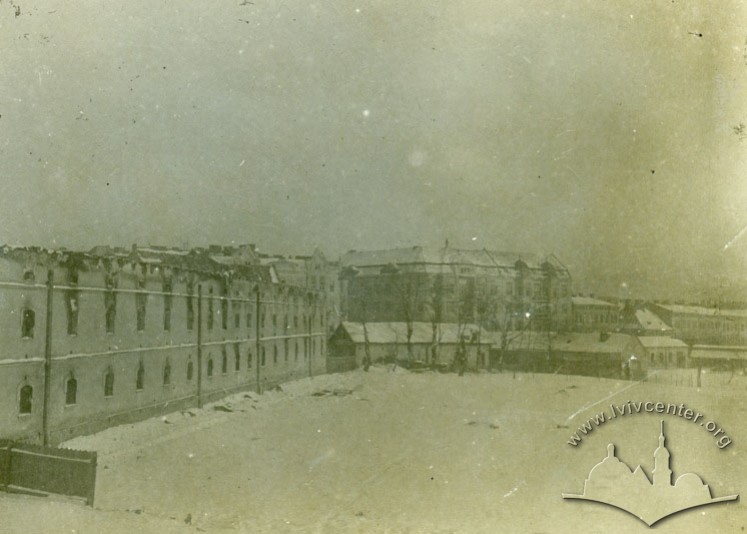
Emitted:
<point x="436" y="311"/>
<point x="406" y="291"/>
<point x="466" y="305"/>
<point x="486" y="309"/>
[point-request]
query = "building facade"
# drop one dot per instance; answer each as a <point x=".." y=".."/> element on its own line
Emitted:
<point x="316" y="274"/>
<point x="701" y="325"/>
<point x="388" y="342"/>
<point x="95" y="339"/>
<point x="492" y="289"/>
<point x="594" y="315"/>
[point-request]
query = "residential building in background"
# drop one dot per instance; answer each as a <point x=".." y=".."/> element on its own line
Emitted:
<point x="495" y="290"/>
<point x="594" y="315"/>
<point x="702" y="325"/>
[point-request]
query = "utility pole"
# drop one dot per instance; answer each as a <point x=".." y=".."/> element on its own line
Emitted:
<point x="47" y="358"/>
<point x="311" y="316"/>
<point x="199" y="345"/>
<point x="257" y="336"/>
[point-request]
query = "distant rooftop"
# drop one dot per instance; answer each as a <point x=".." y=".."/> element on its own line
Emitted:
<point x="590" y="301"/>
<point x="447" y="256"/>
<point x="650" y="321"/>
<point x="661" y="341"/>
<point x="702" y="310"/>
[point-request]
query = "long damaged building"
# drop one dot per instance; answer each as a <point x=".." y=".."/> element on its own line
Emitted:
<point x="99" y="338"/>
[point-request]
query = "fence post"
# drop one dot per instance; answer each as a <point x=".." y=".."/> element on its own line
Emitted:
<point x="92" y="480"/>
<point x="199" y="345"/>
<point x="47" y="358"/>
<point x="311" y="316"/>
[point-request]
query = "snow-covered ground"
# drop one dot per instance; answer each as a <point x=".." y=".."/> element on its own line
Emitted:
<point x="391" y="451"/>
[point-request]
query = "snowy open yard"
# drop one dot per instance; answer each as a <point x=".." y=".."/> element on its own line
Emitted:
<point x="397" y="452"/>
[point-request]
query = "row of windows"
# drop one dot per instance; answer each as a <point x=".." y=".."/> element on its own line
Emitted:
<point x="71" y="383"/>
<point x="28" y="316"/>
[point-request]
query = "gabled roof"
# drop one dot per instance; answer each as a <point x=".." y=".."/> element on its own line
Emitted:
<point x="591" y="343"/>
<point x="396" y="332"/>
<point x="650" y="321"/>
<point x="661" y="341"/>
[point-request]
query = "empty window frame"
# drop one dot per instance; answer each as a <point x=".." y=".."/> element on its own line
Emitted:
<point x="71" y="391"/>
<point x="141" y="300"/>
<point x="167" y="373"/>
<point x="210" y="317"/>
<point x="71" y="306"/>
<point x="27" y="323"/>
<point x="109" y="383"/>
<point x="167" y="301"/>
<point x="25" y="399"/>
<point x="110" y="310"/>
<point x="140" y="378"/>
<point x="190" y="307"/>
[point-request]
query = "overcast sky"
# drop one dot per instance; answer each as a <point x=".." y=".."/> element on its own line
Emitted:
<point x="605" y="132"/>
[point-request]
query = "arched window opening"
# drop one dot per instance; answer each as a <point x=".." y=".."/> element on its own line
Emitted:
<point x="190" y="370"/>
<point x="71" y="391"/>
<point x="140" y="382"/>
<point x="224" y="362"/>
<point x="109" y="384"/>
<point x="27" y="324"/>
<point x="210" y="367"/>
<point x="167" y="373"/>
<point x="25" y="400"/>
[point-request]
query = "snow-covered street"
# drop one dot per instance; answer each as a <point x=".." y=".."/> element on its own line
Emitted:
<point x="386" y="451"/>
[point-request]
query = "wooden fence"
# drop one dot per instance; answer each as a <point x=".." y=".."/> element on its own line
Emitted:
<point x="38" y="470"/>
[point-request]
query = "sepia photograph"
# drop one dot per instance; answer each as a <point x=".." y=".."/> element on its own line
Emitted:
<point x="373" y="266"/>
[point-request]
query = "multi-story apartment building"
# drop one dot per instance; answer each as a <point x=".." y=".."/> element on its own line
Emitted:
<point x="496" y="290"/>
<point x="594" y="315"/>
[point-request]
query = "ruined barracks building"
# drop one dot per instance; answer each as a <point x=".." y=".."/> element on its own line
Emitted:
<point x="496" y="290"/>
<point x="314" y="272"/>
<point x="95" y="339"/>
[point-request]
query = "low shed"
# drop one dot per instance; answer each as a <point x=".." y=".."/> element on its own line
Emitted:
<point x="602" y="354"/>
<point x="387" y="342"/>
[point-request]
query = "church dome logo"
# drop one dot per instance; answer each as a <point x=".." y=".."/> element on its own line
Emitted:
<point x="612" y="482"/>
